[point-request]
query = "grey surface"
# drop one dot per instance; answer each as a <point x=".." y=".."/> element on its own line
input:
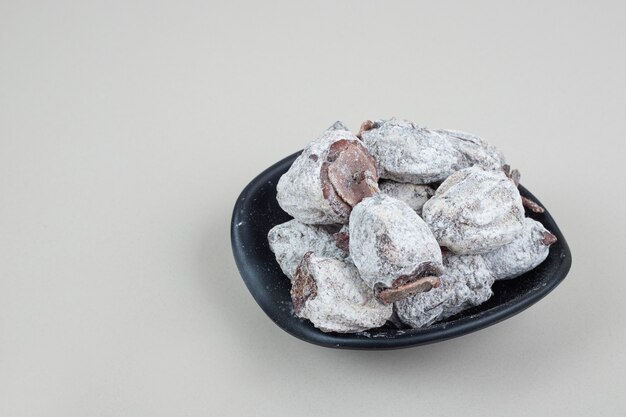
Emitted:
<point x="127" y="130"/>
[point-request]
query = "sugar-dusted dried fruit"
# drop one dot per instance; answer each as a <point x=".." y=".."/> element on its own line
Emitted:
<point x="393" y="249"/>
<point x="466" y="282"/>
<point x="474" y="149"/>
<point x="291" y="240"/>
<point x="407" y="152"/>
<point x="475" y="211"/>
<point x="327" y="179"/>
<point x="525" y="252"/>
<point x="330" y="293"/>
<point x="414" y="195"/>
<point x="358" y="245"/>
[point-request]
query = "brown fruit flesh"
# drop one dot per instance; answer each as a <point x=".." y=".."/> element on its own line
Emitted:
<point x="393" y="294"/>
<point x="423" y="279"/>
<point x="346" y="174"/>
<point x="303" y="287"/>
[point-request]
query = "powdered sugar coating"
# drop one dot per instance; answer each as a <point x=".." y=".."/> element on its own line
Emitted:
<point x="299" y="190"/>
<point x="466" y="282"/>
<point x="342" y="303"/>
<point x="388" y="240"/>
<point x="291" y="240"/>
<point x="407" y="152"/>
<point x="524" y="253"/>
<point x="474" y="149"/>
<point x="475" y="211"/>
<point x="413" y="195"/>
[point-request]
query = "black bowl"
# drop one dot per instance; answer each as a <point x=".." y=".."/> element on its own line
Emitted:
<point x="257" y="211"/>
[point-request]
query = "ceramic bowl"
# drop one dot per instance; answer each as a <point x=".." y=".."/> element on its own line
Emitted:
<point x="257" y="211"/>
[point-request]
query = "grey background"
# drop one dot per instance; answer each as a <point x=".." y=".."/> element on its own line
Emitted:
<point x="128" y="128"/>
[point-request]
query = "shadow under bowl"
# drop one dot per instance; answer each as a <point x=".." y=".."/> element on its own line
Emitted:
<point x="257" y="211"/>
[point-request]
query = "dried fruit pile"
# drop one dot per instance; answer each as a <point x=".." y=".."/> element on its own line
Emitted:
<point x="400" y="220"/>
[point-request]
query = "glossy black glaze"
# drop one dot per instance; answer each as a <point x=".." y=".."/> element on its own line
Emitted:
<point x="257" y="211"/>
